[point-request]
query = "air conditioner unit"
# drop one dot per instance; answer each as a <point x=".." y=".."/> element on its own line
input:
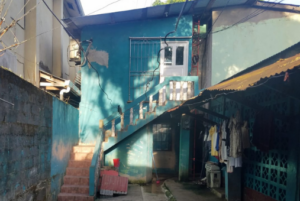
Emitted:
<point x="74" y="52"/>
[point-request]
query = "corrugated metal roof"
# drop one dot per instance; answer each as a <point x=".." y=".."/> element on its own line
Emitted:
<point x="242" y="82"/>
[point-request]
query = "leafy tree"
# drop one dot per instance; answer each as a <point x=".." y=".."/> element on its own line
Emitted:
<point x="159" y="2"/>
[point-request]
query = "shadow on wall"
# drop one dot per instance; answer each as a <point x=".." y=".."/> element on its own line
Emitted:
<point x="65" y="134"/>
<point x="95" y="104"/>
<point x="135" y="154"/>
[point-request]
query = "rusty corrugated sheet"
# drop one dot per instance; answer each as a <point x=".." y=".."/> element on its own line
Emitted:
<point x="111" y="184"/>
<point x="249" y="79"/>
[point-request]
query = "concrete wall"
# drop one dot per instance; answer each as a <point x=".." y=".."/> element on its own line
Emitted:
<point x="25" y="140"/>
<point x="65" y="134"/>
<point x="249" y="42"/>
<point x="37" y="134"/>
<point x="135" y="154"/>
<point x="113" y="40"/>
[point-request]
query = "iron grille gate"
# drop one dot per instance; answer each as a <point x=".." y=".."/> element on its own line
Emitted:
<point x="143" y="61"/>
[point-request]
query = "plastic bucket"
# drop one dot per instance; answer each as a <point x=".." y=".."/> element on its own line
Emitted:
<point x="116" y="162"/>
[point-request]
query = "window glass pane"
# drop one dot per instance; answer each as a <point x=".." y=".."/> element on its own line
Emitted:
<point x="179" y="55"/>
<point x="168" y="56"/>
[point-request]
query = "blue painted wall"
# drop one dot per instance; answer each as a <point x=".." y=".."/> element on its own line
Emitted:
<point x="184" y="151"/>
<point x="135" y="154"/>
<point x="114" y="39"/>
<point x="65" y="134"/>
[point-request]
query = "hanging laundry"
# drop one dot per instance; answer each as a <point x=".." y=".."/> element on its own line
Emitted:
<point x="245" y="136"/>
<point x="213" y="135"/>
<point x="223" y="152"/>
<point x="235" y="136"/>
<point x="263" y="130"/>
<point x="217" y="139"/>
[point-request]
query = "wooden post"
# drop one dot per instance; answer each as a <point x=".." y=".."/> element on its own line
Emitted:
<point x="122" y="121"/>
<point x="141" y="110"/>
<point x="113" y="134"/>
<point x="101" y="124"/>
<point x="150" y="103"/>
<point x="131" y="116"/>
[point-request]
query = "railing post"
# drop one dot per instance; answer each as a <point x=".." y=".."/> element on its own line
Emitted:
<point x="189" y="90"/>
<point x="122" y="121"/>
<point x="174" y="91"/>
<point x="141" y="110"/>
<point x="113" y="133"/>
<point x="181" y="90"/>
<point x="160" y="98"/>
<point x="131" y="116"/>
<point x="184" y="90"/>
<point x="150" y="103"/>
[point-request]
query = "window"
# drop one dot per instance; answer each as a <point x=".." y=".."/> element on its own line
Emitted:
<point x="179" y="55"/>
<point x="168" y="56"/>
<point x="162" y="137"/>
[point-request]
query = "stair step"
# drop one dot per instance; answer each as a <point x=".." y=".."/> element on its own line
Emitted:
<point x="74" y="197"/>
<point x="78" y="156"/>
<point x="76" y="180"/>
<point x="78" y="172"/>
<point x="79" y="164"/>
<point x="83" y="149"/>
<point x="77" y="189"/>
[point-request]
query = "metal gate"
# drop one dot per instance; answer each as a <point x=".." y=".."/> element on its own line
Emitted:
<point x="142" y="63"/>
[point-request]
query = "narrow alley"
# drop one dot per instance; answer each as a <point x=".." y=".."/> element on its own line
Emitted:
<point x="149" y="100"/>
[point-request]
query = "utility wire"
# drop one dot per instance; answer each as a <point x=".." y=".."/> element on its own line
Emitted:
<point x="86" y="56"/>
<point x="104" y="7"/>
<point x="165" y="40"/>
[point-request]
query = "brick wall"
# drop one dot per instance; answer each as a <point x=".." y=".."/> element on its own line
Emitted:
<point x="25" y="140"/>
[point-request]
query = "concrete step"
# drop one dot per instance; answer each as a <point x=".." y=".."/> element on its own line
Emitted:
<point x="76" y="180"/>
<point x="83" y="149"/>
<point x="74" y="197"/>
<point x="78" y="156"/>
<point x="77" y="189"/>
<point x="79" y="164"/>
<point x="78" y="172"/>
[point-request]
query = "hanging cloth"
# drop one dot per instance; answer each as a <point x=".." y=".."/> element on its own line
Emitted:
<point x="213" y="134"/>
<point x="235" y="136"/>
<point x="223" y="155"/>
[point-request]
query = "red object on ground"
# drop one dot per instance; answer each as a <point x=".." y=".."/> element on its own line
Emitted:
<point x="116" y="162"/>
<point x="113" y="185"/>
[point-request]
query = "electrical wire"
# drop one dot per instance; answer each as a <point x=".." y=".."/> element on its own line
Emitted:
<point x="167" y="45"/>
<point x="104" y="7"/>
<point x="250" y="16"/>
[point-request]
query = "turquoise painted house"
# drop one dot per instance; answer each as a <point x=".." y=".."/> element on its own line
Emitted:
<point x="132" y="76"/>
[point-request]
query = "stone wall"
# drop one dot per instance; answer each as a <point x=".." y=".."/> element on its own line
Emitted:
<point x="25" y="139"/>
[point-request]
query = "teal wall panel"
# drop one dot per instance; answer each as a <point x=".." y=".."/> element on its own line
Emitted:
<point x="135" y="154"/>
<point x="184" y="152"/>
<point x="65" y="134"/>
<point x="113" y="39"/>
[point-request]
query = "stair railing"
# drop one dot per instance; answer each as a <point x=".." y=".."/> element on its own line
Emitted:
<point x="172" y="89"/>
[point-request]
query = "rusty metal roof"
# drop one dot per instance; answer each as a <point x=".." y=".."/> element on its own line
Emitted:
<point x="242" y="82"/>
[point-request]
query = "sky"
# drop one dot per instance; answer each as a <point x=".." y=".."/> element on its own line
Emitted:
<point x="90" y="6"/>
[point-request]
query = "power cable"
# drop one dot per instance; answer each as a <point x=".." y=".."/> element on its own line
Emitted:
<point x="104" y="7"/>
<point x="165" y="40"/>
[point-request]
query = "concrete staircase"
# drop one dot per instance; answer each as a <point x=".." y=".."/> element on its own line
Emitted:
<point x="76" y="180"/>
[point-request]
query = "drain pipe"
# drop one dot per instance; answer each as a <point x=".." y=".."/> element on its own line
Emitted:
<point x="61" y="93"/>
